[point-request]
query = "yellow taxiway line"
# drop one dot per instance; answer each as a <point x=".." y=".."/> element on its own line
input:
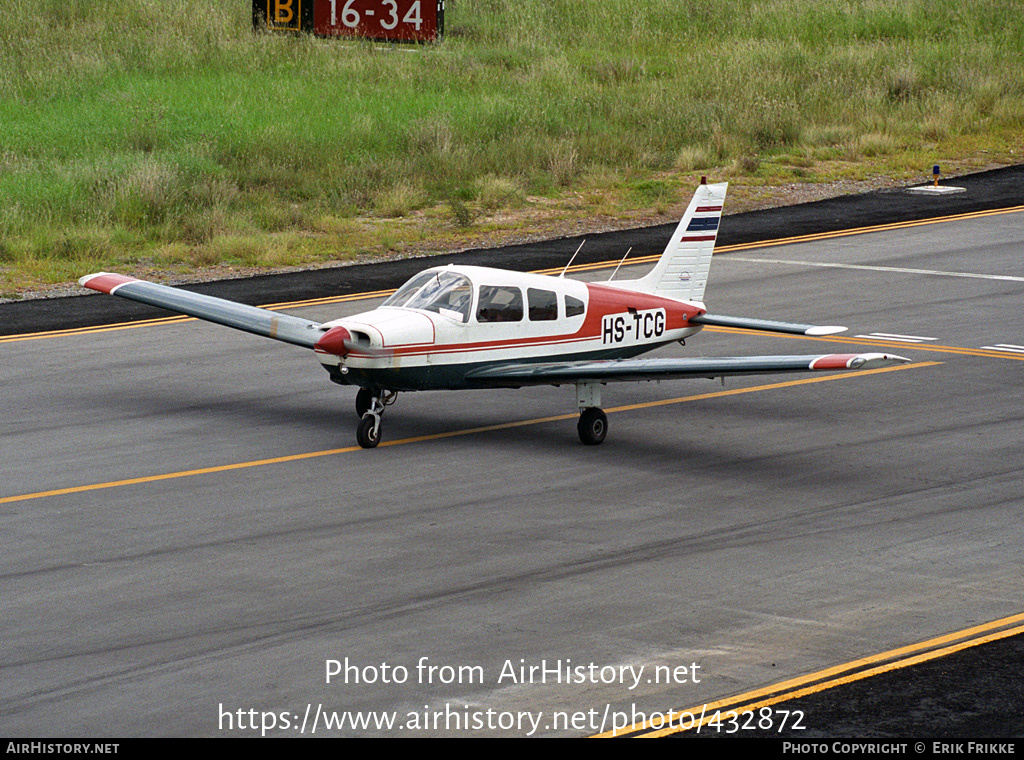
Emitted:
<point x="724" y="710"/>
<point x="577" y="268"/>
<point x="175" y="320"/>
<point x="439" y="436"/>
<point x="806" y="238"/>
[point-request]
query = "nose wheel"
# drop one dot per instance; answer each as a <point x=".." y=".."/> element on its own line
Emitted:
<point x="368" y="432"/>
<point x="370" y="404"/>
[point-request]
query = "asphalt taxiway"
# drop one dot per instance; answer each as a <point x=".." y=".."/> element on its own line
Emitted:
<point x="189" y="536"/>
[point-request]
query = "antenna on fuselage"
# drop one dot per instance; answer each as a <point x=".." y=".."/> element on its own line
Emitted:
<point x="572" y="259"/>
<point x="620" y="264"/>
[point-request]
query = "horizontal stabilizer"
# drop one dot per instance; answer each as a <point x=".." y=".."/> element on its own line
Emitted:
<point x="269" y="324"/>
<point x="624" y="370"/>
<point x="769" y="325"/>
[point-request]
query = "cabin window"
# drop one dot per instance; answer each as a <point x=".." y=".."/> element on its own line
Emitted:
<point x="573" y="307"/>
<point x="500" y="303"/>
<point x="543" y="305"/>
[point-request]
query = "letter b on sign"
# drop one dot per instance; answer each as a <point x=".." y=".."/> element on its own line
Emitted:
<point x="284" y="14"/>
<point x="278" y="15"/>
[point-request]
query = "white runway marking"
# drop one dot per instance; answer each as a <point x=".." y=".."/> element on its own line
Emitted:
<point x="905" y="270"/>
<point x="1009" y="347"/>
<point x="899" y="338"/>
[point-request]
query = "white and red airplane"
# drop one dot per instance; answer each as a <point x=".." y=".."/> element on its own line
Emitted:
<point x="458" y="327"/>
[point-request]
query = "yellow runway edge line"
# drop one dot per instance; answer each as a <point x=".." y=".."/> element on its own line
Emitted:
<point x="805" y="238"/>
<point x="439" y="436"/>
<point x="829" y="678"/>
<point x="577" y="268"/>
<point x="182" y="318"/>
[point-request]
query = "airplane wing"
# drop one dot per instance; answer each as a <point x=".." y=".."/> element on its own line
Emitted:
<point x="269" y="324"/>
<point x="623" y="370"/>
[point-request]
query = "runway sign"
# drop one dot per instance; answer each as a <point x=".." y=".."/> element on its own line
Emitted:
<point x="385" y="20"/>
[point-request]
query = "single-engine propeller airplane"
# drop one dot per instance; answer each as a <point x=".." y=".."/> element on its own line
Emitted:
<point x="458" y="327"/>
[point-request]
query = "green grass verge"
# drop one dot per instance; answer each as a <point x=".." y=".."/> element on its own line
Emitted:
<point x="166" y="134"/>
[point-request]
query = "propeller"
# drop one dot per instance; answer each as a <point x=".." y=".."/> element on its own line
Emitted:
<point x="339" y="342"/>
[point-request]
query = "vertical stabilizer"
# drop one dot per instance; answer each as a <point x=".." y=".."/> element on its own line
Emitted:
<point x="682" y="270"/>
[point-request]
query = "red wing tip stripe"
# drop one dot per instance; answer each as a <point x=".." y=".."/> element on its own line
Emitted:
<point x="706" y="209"/>
<point x="834" y="361"/>
<point x="856" y="361"/>
<point x="105" y="282"/>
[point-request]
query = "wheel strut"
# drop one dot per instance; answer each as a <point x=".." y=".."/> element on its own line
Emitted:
<point x="364" y="400"/>
<point x="368" y="431"/>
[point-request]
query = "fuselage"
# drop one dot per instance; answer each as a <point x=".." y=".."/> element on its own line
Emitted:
<point x="447" y="322"/>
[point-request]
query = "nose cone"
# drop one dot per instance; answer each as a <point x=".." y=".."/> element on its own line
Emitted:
<point x="333" y="342"/>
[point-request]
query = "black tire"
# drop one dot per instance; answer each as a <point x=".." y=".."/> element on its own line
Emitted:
<point x="363" y="401"/>
<point x="593" y="426"/>
<point x="365" y="434"/>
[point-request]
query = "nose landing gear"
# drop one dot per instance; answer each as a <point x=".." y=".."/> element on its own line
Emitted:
<point x="370" y="406"/>
<point x="364" y="400"/>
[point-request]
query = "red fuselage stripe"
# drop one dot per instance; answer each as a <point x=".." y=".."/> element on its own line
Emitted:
<point x="604" y="300"/>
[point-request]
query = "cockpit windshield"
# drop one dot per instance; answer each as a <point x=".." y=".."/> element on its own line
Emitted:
<point x="407" y="291"/>
<point x="446" y="293"/>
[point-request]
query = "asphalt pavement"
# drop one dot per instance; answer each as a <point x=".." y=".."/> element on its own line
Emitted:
<point x="976" y="692"/>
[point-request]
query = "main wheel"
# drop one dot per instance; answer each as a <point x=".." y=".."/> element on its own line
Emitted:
<point x="363" y="401"/>
<point x="368" y="433"/>
<point x="593" y="426"/>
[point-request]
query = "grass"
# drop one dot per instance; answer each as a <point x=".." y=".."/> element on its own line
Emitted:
<point x="165" y="133"/>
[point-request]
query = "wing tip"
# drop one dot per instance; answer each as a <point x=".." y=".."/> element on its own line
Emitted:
<point x="105" y="282"/>
<point x="825" y="330"/>
<point x="857" y="361"/>
<point x="889" y="360"/>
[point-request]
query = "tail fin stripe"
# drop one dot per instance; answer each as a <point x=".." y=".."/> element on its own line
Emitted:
<point x="682" y="270"/>
<point x="703" y="224"/>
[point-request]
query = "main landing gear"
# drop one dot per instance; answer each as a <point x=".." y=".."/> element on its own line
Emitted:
<point x="370" y="408"/>
<point x="370" y="404"/>
<point x="593" y="424"/>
